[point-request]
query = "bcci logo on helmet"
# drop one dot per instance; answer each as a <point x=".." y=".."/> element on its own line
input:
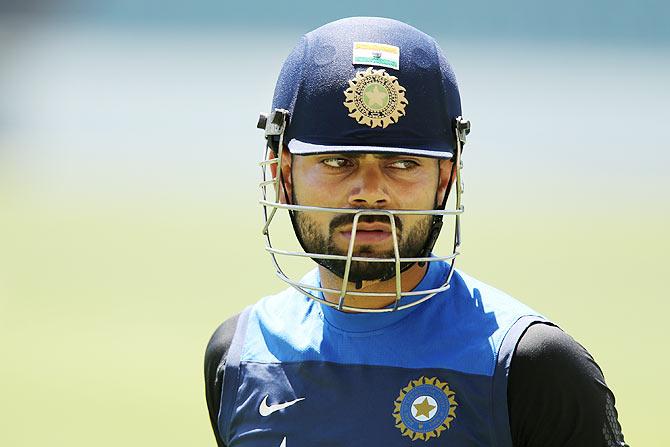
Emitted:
<point x="374" y="98"/>
<point x="425" y="408"/>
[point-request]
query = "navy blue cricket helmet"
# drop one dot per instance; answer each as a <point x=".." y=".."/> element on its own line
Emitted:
<point x="363" y="84"/>
<point x="368" y="84"/>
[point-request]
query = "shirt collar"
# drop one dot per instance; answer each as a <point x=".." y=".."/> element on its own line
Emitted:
<point x="365" y="322"/>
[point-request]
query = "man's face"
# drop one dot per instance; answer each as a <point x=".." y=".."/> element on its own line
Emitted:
<point x="365" y="181"/>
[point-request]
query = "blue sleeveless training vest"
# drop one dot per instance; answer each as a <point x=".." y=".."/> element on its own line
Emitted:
<point x="300" y="374"/>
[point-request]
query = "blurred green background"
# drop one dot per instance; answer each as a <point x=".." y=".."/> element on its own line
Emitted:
<point x="128" y="220"/>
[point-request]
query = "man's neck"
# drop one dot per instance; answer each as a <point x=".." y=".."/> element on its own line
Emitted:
<point x="410" y="278"/>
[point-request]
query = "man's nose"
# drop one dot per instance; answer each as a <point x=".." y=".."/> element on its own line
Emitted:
<point x="369" y="188"/>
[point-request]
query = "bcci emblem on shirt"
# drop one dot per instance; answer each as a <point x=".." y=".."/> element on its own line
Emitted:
<point x="425" y="408"/>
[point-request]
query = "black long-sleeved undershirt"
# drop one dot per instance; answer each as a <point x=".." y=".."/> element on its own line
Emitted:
<point x="556" y="393"/>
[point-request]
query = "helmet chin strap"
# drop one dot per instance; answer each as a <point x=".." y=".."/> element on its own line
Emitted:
<point x="436" y="225"/>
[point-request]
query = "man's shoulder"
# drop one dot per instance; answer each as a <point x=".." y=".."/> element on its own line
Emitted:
<point x="557" y="394"/>
<point x="215" y="354"/>
<point x="288" y="300"/>
<point x="548" y="348"/>
<point x="219" y="344"/>
<point x="489" y="298"/>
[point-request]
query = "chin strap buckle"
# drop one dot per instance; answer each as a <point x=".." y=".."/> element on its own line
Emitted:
<point x="274" y="123"/>
<point x="435" y="229"/>
<point x="462" y="129"/>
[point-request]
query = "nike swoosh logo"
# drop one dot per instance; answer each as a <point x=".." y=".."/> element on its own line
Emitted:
<point x="267" y="410"/>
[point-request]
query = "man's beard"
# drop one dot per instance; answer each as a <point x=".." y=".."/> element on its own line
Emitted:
<point x="410" y="245"/>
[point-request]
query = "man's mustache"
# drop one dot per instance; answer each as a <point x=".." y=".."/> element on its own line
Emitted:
<point x="348" y="219"/>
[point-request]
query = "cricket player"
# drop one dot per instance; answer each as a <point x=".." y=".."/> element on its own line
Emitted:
<point x="385" y="343"/>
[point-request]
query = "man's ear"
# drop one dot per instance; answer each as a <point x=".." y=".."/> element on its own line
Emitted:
<point x="286" y="180"/>
<point x="447" y="178"/>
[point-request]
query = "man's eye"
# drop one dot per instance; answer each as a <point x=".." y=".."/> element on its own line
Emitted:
<point x="404" y="164"/>
<point x="336" y="162"/>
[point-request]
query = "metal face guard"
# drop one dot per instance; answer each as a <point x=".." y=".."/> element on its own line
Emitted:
<point x="274" y="126"/>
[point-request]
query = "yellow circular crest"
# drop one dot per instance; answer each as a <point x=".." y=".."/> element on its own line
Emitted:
<point x="374" y="98"/>
<point x="425" y="408"/>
